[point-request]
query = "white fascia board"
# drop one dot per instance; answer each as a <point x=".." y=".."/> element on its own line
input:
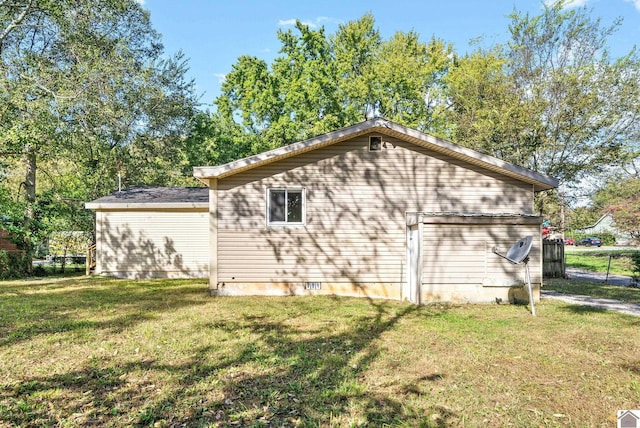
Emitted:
<point x="98" y="206"/>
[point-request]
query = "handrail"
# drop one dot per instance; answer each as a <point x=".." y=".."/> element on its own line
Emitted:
<point x="91" y="259"/>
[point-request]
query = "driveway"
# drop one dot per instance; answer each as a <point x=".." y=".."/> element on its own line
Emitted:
<point x="585" y="275"/>
<point x="606" y="304"/>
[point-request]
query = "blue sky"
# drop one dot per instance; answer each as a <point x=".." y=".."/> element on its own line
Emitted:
<point x="214" y="33"/>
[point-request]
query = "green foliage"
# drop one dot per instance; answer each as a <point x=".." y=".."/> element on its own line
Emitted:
<point x="320" y="83"/>
<point x="67" y="243"/>
<point x="409" y="74"/>
<point x="581" y="217"/>
<point x="354" y="47"/>
<point x="551" y="99"/>
<point x="581" y="101"/>
<point x="87" y="93"/>
<point x="13" y="264"/>
<point x="487" y="112"/>
<point x="11" y="213"/>
<point x="214" y="140"/>
<point x="39" y="271"/>
<point x="635" y="258"/>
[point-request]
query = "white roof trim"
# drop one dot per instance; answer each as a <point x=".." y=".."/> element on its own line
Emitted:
<point x="540" y="181"/>
<point x="98" y="206"/>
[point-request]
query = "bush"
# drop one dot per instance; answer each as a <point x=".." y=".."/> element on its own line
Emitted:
<point x="13" y="265"/>
<point x="39" y="270"/>
<point x="635" y="259"/>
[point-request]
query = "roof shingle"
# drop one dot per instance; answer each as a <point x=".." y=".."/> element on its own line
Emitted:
<point x="156" y="195"/>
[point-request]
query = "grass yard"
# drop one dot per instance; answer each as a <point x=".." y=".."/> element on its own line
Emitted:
<point x="78" y="352"/>
<point x="598" y="260"/>
<point x="594" y="289"/>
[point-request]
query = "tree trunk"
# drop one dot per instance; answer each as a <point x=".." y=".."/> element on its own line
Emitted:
<point x="562" y="209"/>
<point x="30" y="198"/>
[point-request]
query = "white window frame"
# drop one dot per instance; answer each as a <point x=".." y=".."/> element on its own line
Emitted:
<point x="286" y="223"/>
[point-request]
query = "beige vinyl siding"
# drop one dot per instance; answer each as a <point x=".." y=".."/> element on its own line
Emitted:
<point x="153" y="244"/>
<point x="356" y="201"/>
<point x="457" y="258"/>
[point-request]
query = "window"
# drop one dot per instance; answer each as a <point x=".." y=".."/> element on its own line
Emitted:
<point x="375" y="144"/>
<point x="285" y="206"/>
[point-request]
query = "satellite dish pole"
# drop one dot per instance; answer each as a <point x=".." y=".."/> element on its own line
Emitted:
<point x="519" y="253"/>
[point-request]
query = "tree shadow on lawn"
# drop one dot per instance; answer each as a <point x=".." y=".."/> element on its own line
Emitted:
<point x="28" y="310"/>
<point x="291" y="381"/>
<point x="584" y="309"/>
<point x="633" y="367"/>
<point x="288" y="376"/>
<point x="593" y="309"/>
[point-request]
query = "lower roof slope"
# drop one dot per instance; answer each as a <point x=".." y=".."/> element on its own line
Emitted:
<point x="156" y="197"/>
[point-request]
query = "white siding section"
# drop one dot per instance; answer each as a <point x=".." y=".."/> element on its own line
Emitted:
<point x="153" y="244"/>
<point x="459" y="263"/>
<point x="355" y="211"/>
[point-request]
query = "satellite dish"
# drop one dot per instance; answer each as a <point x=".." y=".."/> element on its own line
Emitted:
<point x="519" y="253"/>
<point x="520" y="250"/>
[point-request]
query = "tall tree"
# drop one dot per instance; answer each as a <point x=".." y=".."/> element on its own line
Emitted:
<point x="588" y="112"/>
<point x="621" y="197"/>
<point x="83" y="81"/>
<point x="486" y="109"/>
<point x="355" y="49"/>
<point x="320" y="83"/>
<point x="552" y="99"/>
<point x="214" y="140"/>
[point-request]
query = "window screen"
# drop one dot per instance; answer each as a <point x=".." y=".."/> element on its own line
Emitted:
<point x="285" y="206"/>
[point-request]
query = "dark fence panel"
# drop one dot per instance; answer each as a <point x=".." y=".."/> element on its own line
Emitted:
<point x="553" y="263"/>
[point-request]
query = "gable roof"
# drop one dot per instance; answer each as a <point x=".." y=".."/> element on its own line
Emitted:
<point x="606" y="216"/>
<point x="153" y="197"/>
<point x="628" y="419"/>
<point x="391" y="129"/>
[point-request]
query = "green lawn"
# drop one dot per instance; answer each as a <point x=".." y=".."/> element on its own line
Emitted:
<point x="598" y="260"/>
<point x="78" y="352"/>
<point x="594" y="289"/>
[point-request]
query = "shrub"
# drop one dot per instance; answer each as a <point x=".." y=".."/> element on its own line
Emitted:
<point x="635" y="259"/>
<point x="13" y="265"/>
<point x="39" y="270"/>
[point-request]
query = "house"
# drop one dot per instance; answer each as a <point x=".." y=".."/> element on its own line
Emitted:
<point x="605" y="224"/>
<point x="153" y="232"/>
<point x="7" y="244"/>
<point x="375" y="209"/>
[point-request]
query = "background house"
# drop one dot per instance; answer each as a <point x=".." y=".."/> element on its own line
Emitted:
<point x="605" y="224"/>
<point x="6" y="244"/>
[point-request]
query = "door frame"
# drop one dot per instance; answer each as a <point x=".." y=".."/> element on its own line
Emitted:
<point x="413" y="286"/>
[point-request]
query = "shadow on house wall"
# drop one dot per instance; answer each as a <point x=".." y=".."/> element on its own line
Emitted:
<point x="128" y="252"/>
